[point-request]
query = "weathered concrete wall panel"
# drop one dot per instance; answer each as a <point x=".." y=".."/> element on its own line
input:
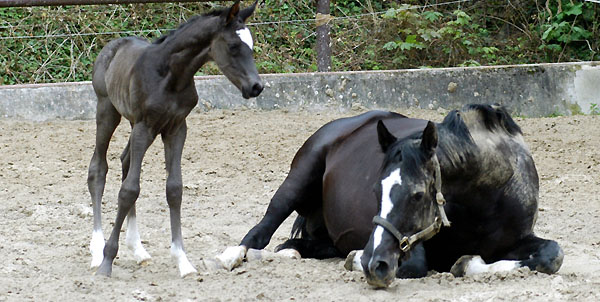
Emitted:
<point x="527" y="90"/>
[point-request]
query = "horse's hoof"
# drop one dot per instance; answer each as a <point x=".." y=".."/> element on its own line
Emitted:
<point x="254" y="255"/>
<point x="232" y="257"/>
<point x="459" y="269"/>
<point x="353" y="261"/>
<point x="104" y="272"/>
<point x="212" y="265"/>
<point x="189" y="272"/>
<point x="289" y="253"/>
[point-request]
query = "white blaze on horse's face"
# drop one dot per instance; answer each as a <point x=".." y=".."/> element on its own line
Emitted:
<point x="245" y="36"/>
<point x="386" y="202"/>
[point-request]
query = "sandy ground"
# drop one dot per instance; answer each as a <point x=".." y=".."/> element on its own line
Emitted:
<point x="233" y="162"/>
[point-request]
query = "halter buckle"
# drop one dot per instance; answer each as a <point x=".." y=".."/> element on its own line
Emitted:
<point x="404" y="244"/>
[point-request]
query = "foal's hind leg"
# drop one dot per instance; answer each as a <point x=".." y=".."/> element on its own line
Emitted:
<point x="141" y="138"/>
<point x="173" y="150"/>
<point x="538" y="254"/>
<point x="107" y="120"/>
<point x="132" y="236"/>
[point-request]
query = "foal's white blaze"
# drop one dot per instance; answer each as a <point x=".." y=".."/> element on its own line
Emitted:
<point x="132" y="238"/>
<point x="386" y="202"/>
<point x="478" y="266"/>
<point x="185" y="267"/>
<point x="97" y="248"/>
<point x="245" y="36"/>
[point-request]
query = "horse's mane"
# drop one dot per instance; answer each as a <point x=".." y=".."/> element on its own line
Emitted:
<point x="457" y="144"/>
<point x="192" y="20"/>
<point x="494" y="117"/>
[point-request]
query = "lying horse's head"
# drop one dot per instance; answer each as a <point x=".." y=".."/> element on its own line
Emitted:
<point x="408" y="210"/>
<point x="231" y="49"/>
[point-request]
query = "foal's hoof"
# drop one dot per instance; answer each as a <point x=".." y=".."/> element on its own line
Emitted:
<point x="104" y="272"/>
<point x="459" y="269"/>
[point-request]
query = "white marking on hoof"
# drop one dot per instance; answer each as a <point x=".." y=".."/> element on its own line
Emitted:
<point x="477" y="266"/>
<point x="212" y="265"/>
<point x="232" y="257"/>
<point x="289" y="253"/>
<point x="353" y="261"/>
<point x="254" y="255"/>
<point x="133" y="241"/>
<point x="97" y="248"/>
<point x="185" y="267"/>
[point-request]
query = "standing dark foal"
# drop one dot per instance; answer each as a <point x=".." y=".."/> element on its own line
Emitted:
<point x="385" y="170"/>
<point x="152" y="86"/>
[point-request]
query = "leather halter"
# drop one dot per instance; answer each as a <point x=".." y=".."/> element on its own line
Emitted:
<point x="406" y="243"/>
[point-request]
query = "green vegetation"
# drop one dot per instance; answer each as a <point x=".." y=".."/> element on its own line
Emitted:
<point x="594" y="109"/>
<point x="57" y="44"/>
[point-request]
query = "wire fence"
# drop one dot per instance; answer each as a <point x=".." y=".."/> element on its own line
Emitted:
<point x="59" y="44"/>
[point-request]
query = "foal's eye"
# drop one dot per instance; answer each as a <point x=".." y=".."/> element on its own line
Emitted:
<point x="234" y="47"/>
<point x="418" y="196"/>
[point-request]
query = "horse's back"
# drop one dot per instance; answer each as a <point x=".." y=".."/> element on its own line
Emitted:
<point x="352" y="167"/>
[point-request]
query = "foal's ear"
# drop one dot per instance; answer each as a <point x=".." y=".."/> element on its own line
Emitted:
<point x="386" y="139"/>
<point x="247" y="12"/>
<point x="430" y="139"/>
<point x="232" y="12"/>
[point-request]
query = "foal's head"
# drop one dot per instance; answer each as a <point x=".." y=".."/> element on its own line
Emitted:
<point x="407" y="195"/>
<point x="231" y="49"/>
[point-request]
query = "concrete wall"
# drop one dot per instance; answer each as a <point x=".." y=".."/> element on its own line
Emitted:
<point x="527" y="90"/>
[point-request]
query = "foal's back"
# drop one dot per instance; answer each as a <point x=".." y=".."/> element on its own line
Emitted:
<point x="114" y="77"/>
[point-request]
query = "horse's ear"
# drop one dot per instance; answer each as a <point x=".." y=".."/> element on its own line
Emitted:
<point x="430" y="139"/>
<point x="248" y="11"/>
<point x="232" y="12"/>
<point x="386" y="139"/>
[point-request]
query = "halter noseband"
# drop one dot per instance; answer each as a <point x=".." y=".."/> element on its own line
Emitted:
<point x="405" y="243"/>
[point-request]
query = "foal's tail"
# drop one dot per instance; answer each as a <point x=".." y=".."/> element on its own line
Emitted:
<point x="299" y="228"/>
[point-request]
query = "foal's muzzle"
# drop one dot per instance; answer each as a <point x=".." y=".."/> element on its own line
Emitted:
<point x="252" y="91"/>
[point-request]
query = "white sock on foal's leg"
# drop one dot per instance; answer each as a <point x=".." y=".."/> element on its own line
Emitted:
<point x="132" y="238"/>
<point x="97" y="248"/>
<point x="185" y="267"/>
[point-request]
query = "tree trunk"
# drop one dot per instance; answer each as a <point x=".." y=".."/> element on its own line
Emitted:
<point x="323" y="41"/>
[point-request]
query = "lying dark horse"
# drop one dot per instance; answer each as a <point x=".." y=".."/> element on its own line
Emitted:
<point x="353" y="169"/>
<point x="152" y="86"/>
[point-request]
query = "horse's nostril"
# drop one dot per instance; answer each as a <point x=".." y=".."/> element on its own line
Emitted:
<point x="381" y="270"/>
<point x="257" y="89"/>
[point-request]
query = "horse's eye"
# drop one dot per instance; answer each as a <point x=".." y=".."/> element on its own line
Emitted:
<point x="418" y="196"/>
<point x="234" y="47"/>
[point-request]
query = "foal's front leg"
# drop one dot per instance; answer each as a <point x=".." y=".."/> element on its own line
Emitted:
<point x="173" y="149"/>
<point x="141" y="139"/>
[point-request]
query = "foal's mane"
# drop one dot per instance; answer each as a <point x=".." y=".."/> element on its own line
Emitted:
<point x="190" y="21"/>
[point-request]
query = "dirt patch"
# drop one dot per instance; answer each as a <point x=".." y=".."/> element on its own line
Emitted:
<point x="233" y="163"/>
